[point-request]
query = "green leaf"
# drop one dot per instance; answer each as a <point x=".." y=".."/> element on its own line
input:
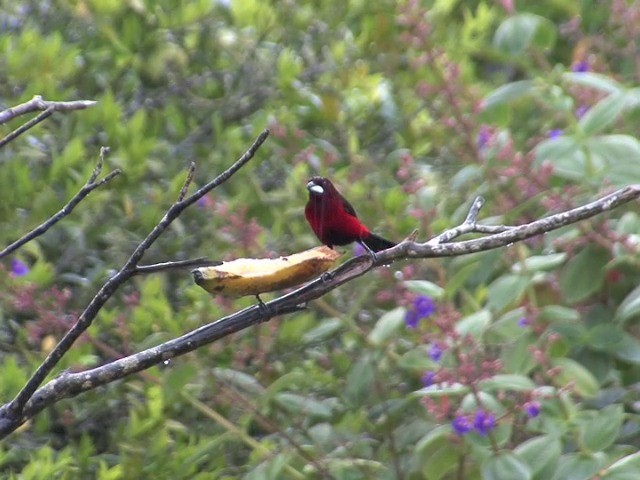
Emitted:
<point x="177" y="378"/>
<point x="417" y="359"/>
<point x="605" y="337"/>
<point x="599" y="430"/>
<point x="508" y="93"/>
<point x="520" y="32"/>
<point x="617" y="156"/>
<point x="593" y="80"/>
<point x="603" y="114"/>
<point x="241" y="380"/>
<point x="387" y="325"/>
<point x="303" y="405"/>
<point x="584" y="274"/>
<point x="558" y="313"/>
<point x="505" y="291"/>
<point x="540" y="453"/>
<point x="505" y="466"/>
<point x="507" y="382"/>
<point x="576" y="467"/>
<point x="474" y="324"/>
<point x="442" y="390"/>
<point x="571" y="372"/>
<point x="630" y="307"/>
<point x="539" y="263"/>
<point x="626" y="468"/>
<point x="566" y="156"/>
<point x="628" y="349"/>
<point x="507" y="327"/>
<point x="436" y="454"/>
<point x="424" y="287"/>
<point x="516" y="356"/>
<point x="327" y="328"/>
<point x="360" y="380"/>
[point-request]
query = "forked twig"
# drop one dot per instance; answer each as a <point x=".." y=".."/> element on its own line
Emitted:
<point x="34" y="105"/>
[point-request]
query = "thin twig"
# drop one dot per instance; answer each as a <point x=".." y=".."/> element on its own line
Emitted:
<point x="88" y="187"/>
<point x="71" y="384"/>
<point x="15" y="407"/>
<point x="187" y="182"/>
<point x="469" y="224"/>
<point x="162" y="267"/>
<point x="26" y="126"/>
<point x="38" y="104"/>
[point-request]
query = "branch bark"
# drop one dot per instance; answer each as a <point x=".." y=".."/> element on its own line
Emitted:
<point x="71" y="384"/>
<point x="37" y="104"/>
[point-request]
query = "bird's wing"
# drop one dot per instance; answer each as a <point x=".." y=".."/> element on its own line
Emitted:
<point x="348" y="207"/>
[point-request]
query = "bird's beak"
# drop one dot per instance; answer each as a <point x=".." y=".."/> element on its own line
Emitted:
<point x="315" y="188"/>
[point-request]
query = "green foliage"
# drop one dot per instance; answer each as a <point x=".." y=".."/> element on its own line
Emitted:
<point x="523" y="363"/>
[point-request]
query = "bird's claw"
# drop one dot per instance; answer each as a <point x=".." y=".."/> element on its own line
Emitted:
<point x="326" y="277"/>
<point x="264" y="309"/>
<point x="372" y="254"/>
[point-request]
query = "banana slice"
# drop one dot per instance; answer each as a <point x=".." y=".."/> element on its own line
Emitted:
<point x="252" y="276"/>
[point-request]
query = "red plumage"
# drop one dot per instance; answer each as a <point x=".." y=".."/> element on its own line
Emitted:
<point x="334" y="220"/>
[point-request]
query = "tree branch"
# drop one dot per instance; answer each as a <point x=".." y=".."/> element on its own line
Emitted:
<point x="71" y="384"/>
<point x="38" y="104"/>
<point x="13" y="411"/>
<point x="88" y="187"/>
<point x="161" y="267"/>
<point x="34" y="105"/>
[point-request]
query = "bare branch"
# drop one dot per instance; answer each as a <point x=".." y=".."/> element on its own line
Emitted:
<point x="38" y="104"/>
<point x="161" y="267"/>
<point x="88" y="187"/>
<point x="14" y="409"/>
<point x="469" y="224"/>
<point x="26" y="126"/>
<point x="71" y="384"/>
<point x="187" y="182"/>
<point x="34" y="105"/>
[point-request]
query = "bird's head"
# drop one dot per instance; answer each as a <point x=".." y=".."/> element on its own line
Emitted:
<point x="318" y="186"/>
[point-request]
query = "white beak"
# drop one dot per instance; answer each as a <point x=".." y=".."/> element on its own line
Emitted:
<point x="315" y="188"/>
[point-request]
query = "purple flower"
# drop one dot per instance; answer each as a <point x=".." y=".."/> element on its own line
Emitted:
<point x="555" y="133"/>
<point x="461" y="425"/>
<point x="484" y="135"/>
<point x="19" y="268"/>
<point x="581" y="110"/>
<point x="424" y="305"/>
<point x="427" y="378"/>
<point x="581" y="67"/>
<point x="523" y="322"/>
<point x="359" y="250"/>
<point x="484" y="422"/>
<point x="205" y="202"/>
<point x="532" y="408"/>
<point x="435" y="352"/>
<point x="411" y="319"/>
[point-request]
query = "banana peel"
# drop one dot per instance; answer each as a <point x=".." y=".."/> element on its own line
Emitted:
<point x="253" y="276"/>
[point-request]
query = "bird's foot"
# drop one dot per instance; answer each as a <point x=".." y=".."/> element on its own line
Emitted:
<point x="327" y="277"/>
<point x="371" y="253"/>
<point x="264" y="309"/>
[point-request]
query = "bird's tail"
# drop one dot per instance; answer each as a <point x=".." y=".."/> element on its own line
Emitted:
<point x="376" y="243"/>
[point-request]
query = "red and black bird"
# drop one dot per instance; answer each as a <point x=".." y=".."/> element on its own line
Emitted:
<point x="334" y="221"/>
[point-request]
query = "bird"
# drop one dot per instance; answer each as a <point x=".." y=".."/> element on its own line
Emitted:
<point x="334" y="220"/>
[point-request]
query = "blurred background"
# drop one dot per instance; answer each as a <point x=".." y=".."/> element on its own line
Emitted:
<point x="517" y="363"/>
